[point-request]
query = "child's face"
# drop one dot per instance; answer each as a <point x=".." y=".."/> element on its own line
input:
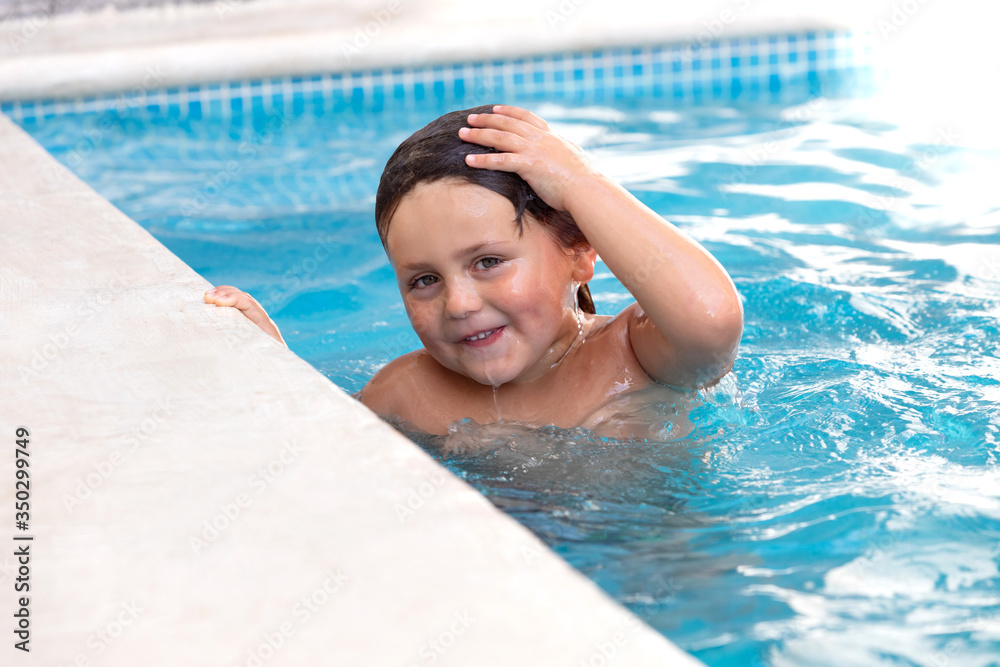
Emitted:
<point x="462" y="269"/>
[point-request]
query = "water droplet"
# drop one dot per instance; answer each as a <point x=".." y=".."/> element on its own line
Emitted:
<point x="496" y="404"/>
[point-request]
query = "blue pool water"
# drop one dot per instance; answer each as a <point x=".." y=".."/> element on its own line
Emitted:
<point x="839" y="500"/>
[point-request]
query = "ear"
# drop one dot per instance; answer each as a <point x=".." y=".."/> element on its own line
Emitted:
<point x="584" y="258"/>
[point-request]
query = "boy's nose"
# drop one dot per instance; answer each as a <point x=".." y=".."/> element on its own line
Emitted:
<point x="461" y="299"/>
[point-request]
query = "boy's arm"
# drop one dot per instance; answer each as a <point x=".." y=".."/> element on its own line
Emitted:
<point x="686" y="327"/>
<point x="687" y="324"/>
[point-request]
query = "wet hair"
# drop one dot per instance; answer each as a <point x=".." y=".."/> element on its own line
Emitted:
<point x="436" y="152"/>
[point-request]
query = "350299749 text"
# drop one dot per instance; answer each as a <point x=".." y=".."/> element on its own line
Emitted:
<point x="22" y="542"/>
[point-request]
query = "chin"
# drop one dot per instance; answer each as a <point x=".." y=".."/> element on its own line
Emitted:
<point x="490" y="376"/>
<point x="499" y="370"/>
<point x="493" y="380"/>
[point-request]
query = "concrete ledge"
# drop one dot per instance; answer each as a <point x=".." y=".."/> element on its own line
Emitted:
<point x="66" y="56"/>
<point x="202" y="496"/>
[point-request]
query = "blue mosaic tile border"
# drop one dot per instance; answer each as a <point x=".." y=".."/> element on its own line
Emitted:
<point x="723" y="69"/>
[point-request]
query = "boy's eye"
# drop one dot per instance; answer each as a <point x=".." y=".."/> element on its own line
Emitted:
<point x="419" y="282"/>
<point x="427" y="280"/>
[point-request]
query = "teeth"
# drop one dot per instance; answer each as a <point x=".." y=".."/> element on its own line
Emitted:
<point x="481" y="336"/>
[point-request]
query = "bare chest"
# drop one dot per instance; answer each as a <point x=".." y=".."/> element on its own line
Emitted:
<point x="589" y="383"/>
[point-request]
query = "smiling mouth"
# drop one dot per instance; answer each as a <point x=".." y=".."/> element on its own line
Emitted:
<point x="484" y="338"/>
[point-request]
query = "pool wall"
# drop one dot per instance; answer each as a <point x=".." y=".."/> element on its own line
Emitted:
<point x="751" y="68"/>
<point x="203" y="495"/>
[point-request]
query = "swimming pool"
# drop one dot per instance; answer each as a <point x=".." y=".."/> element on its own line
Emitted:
<point x="839" y="500"/>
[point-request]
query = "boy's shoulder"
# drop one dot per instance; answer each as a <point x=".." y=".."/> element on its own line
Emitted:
<point x="397" y="379"/>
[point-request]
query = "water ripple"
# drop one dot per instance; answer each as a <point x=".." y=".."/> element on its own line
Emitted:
<point x="839" y="500"/>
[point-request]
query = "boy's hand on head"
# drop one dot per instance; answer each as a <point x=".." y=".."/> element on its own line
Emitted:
<point x="227" y="295"/>
<point x="687" y="322"/>
<point x="551" y="165"/>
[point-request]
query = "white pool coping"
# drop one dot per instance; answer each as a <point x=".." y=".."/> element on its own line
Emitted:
<point x="152" y="413"/>
<point x="64" y="56"/>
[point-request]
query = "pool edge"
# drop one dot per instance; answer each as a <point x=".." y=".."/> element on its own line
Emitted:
<point x="79" y="55"/>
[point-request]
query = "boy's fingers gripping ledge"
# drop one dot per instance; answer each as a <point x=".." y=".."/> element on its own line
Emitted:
<point x="227" y="295"/>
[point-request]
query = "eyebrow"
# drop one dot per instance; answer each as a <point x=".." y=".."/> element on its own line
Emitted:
<point x="424" y="266"/>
